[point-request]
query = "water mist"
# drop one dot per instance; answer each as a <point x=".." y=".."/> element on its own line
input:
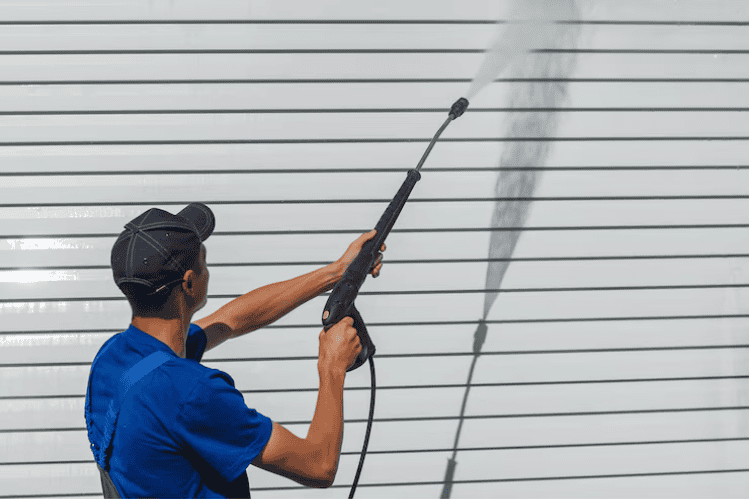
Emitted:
<point x="531" y="27"/>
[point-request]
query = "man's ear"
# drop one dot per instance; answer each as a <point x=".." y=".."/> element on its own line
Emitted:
<point x="188" y="284"/>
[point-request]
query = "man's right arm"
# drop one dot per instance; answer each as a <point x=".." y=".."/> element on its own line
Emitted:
<point x="313" y="461"/>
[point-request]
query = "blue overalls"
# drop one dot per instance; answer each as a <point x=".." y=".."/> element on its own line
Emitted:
<point x="104" y="452"/>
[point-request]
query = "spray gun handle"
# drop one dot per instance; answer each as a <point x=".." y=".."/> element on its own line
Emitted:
<point x="367" y="346"/>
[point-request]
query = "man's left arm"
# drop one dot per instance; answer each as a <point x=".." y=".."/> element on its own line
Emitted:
<point x="269" y="303"/>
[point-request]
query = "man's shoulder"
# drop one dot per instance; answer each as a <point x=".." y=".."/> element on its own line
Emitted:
<point x="116" y="358"/>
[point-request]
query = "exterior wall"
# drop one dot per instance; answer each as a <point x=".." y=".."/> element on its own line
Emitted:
<point x="615" y="363"/>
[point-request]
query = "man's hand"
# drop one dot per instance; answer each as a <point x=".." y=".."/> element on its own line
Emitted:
<point x="339" y="347"/>
<point x="354" y="249"/>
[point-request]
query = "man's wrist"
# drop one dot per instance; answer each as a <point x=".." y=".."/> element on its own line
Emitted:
<point x="336" y="270"/>
<point x="335" y="374"/>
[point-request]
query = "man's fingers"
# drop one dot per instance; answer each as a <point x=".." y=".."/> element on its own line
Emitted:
<point x="348" y="320"/>
<point x="377" y="266"/>
<point x="368" y="235"/>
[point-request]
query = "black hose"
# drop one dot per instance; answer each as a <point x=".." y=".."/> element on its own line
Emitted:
<point x="369" y="428"/>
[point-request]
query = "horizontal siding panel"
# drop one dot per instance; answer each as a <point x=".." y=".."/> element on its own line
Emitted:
<point x="68" y="413"/>
<point x="75" y="284"/>
<point x="446" y="402"/>
<point x="598" y="429"/>
<point x="656" y="153"/>
<point x="72" y="251"/>
<point x="696" y="457"/>
<point x="89" y="314"/>
<point x="254" y="97"/>
<point x="646" y="94"/>
<point x="84" y="478"/>
<point x="257" y="157"/>
<point x="350" y="36"/>
<point x="73" y="445"/>
<point x="256" y="375"/>
<point x="595" y="461"/>
<point x="41" y="480"/>
<point x="74" y="477"/>
<point x="518" y="401"/>
<point x="640" y="183"/>
<point x="506" y="369"/>
<point x="397" y="435"/>
<point x="485" y="401"/>
<point x="65" y="315"/>
<point x="361" y="126"/>
<point x="156" y="67"/>
<point x="439" y="435"/>
<point x="248" y="376"/>
<point x="685" y="10"/>
<point x="82" y="346"/>
<point x="252" y="188"/>
<point x="358" y="156"/>
<point x="263" y="9"/>
<point x="646" y="37"/>
<point x="324" y="216"/>
<point x="376" y="492"/>
<point x="726" y="485"/>
<point x="382" y="469"/>
<point x="266" y="37"/>
<point x="46" y="446"/>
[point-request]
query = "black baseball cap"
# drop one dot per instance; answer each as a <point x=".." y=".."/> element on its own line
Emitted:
<point x="154" y="247"/>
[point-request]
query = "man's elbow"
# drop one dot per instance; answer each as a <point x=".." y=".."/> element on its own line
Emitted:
<point x="326" y="476"/>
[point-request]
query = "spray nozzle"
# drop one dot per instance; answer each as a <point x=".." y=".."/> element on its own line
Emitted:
<point x="460" y="106"/>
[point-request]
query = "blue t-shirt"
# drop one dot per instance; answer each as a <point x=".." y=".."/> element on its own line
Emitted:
<point x="183" y="430"/>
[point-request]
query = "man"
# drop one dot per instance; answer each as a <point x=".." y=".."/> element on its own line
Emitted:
<point x="161" y="424"/>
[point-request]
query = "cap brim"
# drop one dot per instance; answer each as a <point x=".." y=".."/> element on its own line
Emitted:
<point x="202" y="217"/>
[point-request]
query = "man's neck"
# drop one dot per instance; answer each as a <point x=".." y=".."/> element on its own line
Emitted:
<point x="172" y="332"/>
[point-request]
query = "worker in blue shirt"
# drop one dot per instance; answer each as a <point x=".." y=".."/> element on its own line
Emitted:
<point x="160" y="423"/>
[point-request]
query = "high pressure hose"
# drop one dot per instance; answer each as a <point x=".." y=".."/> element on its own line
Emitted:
<point x="456" y="111"/>
<point x="369" y="428"/>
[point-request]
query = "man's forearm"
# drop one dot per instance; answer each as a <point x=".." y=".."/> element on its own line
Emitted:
<point x="312" y="461"/>
<point x="269" y="303"/>
<point x="326" y="429"/>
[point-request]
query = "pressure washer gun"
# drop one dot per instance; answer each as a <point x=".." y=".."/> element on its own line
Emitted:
<point x="341" y="301"/>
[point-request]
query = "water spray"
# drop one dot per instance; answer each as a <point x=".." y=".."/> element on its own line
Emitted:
<point x="533" y="27"/>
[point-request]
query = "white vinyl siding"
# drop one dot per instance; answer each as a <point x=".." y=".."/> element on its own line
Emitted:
<point x="617" y="356"/>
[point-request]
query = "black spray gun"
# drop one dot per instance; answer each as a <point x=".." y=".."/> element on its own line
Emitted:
<point x="341" y="301"/>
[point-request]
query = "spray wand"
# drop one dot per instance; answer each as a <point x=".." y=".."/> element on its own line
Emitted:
<point x="341" y="301"/>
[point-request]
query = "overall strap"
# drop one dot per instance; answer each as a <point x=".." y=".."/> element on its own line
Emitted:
<point x="130" y="378"/>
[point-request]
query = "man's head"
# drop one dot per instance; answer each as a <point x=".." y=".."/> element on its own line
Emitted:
<point x="160" y="255"/>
